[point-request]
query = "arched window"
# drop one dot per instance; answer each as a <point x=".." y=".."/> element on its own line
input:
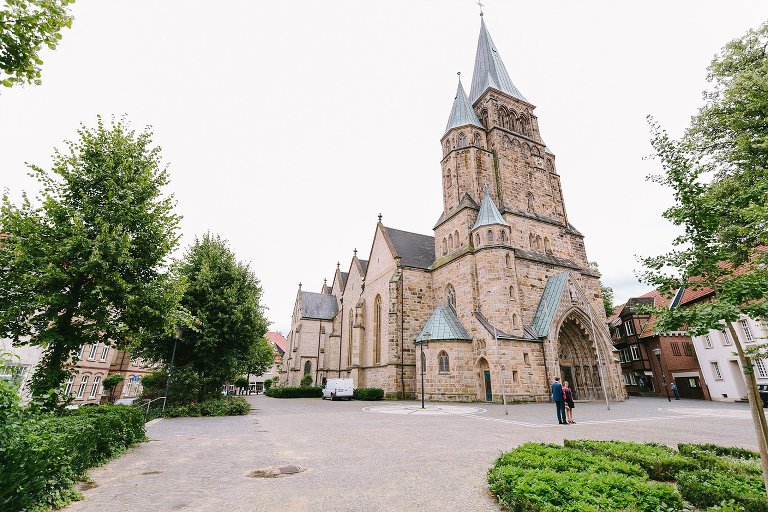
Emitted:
<point x="490" y="235"/>
<point x="502" y="236"/>
<point x="547" y="246"/>
<point x="445" y="247"/>
<point x="307" y="367"/>
<point x="514" y="320"/>
<point x="349" y="338"/>
<point x="477" y="140"/>
<point x="508" y="260"/>
<point x="477" y="239"/>
<point x="538" y="242"/>
<point x="450" y="296"/>
<point x="511" y="292"/>
<point x="377" y="330"/>
<point x="456" y="237"/>
<point x="442" y="362"/>
<point x="484" y="117"/>
<point x="532" y="241"/>
<point x="530" y="203"/>
<point x="450" y="242"/>
<point x="462" y="140"/>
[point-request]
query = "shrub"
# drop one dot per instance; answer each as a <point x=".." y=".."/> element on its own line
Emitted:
<point x="660" y="462"/>
<point x="267" y="384"/>
<point x="295" y="392"/>
<point x="731" y="451"/>
<point x="306" y="381"/>
<point x="707" y="487"/>
<point x="528" y="490"/>
<point x="43" y="455"/>
<point x="368" y="394"/>
<point x="736" y="460"/>
<point x="218" y="406"/>
<point x="153" y="384"/>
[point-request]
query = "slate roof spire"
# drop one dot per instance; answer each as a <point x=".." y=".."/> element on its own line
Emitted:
<point x="489" y="214"/>
<point x="490" y="70"/>
<point x="462" y="112"/>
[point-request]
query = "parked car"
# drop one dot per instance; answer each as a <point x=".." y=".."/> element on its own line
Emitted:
<point x="762" y="389"/>
<point x="338" y="388"/>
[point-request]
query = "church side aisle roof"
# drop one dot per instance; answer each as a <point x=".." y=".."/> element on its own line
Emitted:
<point x="462" y="113"/>
<point x="415" y="250"/>
<point x="320" y="306"/>
<point x="444" y="325"/>
<point x="489" y="214"/>
<point x="548" y="304"/>
<point x="490" y="70"/>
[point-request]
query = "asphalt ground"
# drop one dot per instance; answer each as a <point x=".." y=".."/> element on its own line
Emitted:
<point x="314" y="455"/>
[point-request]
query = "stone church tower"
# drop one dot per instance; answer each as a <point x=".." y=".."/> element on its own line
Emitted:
<point x="502" y="299"/>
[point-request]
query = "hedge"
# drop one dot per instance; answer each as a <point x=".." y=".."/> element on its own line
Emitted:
<point x="660" y="462"/>
<point x="707" y="487"/>
<point x="295" y="392"/>
<point x="368" y="394"/>
<point x="223" y="406"/>
<point x="42" y="456"/>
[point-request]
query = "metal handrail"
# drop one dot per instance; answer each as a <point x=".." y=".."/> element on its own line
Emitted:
<point x="149" y="402"/>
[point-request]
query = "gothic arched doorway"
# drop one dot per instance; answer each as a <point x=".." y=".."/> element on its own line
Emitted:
<point x="484" y="388"/>
<point x="578" y="361"/>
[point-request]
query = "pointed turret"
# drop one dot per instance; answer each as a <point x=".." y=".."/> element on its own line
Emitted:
<point x="462" y="113"/>
<point x="490" y="70"/>
<point x="489" y="214"/>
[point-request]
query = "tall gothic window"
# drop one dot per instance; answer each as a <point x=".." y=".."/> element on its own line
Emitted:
<point x="456" y="237"/>
<point x="511" y="292"/>
<point x="377" y="330"/>
<point x="349" y="338"/>
<point x="307" y="367"/>
<point x="514" y="320"/>
<point x="547" y="246"/>
<point x="490" y="235"/>
<point x="538" y="242"/>
<point x="462" y="140"/>
<point x="508" y="260"/>
<point x="532" y="241"/>
<point x="442" y="362"/>
<point x="450" y="296"/>
<point x="477" y="140"/>
<point x="502" y="236"/>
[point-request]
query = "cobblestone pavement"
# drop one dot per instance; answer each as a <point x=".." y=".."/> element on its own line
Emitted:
<point x="369" y="456"/>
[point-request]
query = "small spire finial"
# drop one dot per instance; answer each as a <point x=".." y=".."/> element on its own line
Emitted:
<point x="481" y="8"/>
<point x="325" y="281"/>
<point x="299" y="286"/>
<point x="355" y="251"/>
<point x="338" y="265"/>
<point x="379" y="217"/>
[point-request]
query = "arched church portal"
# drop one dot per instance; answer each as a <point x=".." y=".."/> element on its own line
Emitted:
<point x="484" y="386"/>
<point x="577" y="358"/>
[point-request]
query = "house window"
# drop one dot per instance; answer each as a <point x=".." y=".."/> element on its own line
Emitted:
<point x="716" y="370"/>
<point x="68" y="389"/>
<point x="104" y="353"/>
<point x="635" y="352"/>
<point x="688" y="348"/>
<point x="747" y="330"/>
<point x="377" y="330"/>
<point x="627" y="380"/>
<point x="514" y="376"/>
<point x="628" y="328"/>
<point x="442" y="362"/>
<point x="95" y="388"/>
<point x="349" y="340"/>
<point x="307" y="367"/>
<point x="127" y="389"/>
<point x="707" y="341"/>
<point x="80" y="353"/>
<point x="693" y="382"/>
<point x="81" y="389"/>
<point x="676" y="348"/>
<point x="92" y="352"/>
<point x="527" y="359"/>
<point x="760" y="365"/>
<point x="726" y="338"/>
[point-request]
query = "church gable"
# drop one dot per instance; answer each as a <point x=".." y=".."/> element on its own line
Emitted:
<point x="561" y="294"/>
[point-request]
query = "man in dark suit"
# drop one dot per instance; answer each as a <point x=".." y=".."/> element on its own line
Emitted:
<point x="557" y="396"/>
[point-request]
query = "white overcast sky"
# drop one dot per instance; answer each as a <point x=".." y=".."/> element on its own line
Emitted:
<point x="288" y="126"/>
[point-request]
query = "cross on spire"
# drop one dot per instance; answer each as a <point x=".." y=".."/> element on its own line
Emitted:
<point x="481" y="7"/>
<point x="379" y="217"/>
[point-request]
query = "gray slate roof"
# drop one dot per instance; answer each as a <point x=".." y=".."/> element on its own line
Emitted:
<point x="489" y="214"/>
<point x="545" y="314"/>
<point x="415" y="250"/>
<point x="462" y="112"/>
<point x="363" y="265"/>
<point x="320" y="306"/>
<point x="444" y="325"/>
<point x="490" y="70"/>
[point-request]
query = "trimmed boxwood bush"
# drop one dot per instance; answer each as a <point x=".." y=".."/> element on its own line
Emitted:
<point x="43" y="455"/>
<point x="660" y="462"/>
<point x="368" y="394"/>
<point x="707" y="487"/>
<point x="223" y="406"/>
<point x="736" y="460"/>
<point x="295" y="392"/>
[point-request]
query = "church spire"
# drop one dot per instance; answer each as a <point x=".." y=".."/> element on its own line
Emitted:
<point x="490" y="70"/>
<point x="489" y="214"/>
<point x="462" y="112"/>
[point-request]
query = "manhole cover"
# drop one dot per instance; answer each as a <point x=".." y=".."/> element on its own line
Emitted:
<point x="274" y="472"/>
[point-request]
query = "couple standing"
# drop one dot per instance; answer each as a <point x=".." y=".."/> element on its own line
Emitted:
<point x="562" y="394"/>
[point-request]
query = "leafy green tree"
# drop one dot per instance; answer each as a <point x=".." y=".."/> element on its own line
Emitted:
<point x="260" y="358"/>
<point x="717" y="174"/>
<point x="86" y="263"/>
<point x="306" y="381"/>
<point x="605" y="291"/>
<point x="25" y="26"/>
<point x="223" y="296"/>
<point x="110" y="383"/>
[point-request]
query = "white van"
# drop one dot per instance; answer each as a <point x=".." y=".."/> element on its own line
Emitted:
<point x="338" y="388"/>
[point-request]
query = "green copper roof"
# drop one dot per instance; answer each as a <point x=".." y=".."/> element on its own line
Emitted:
<point x="542" y="322"/>
<point x="444" y="325"/>
<point x="462" y="113"/>
<point x="490" y="70"/>
<point x="489" y="214"/>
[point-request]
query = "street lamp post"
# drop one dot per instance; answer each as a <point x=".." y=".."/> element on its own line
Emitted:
<point x="424" y="340"/>
<point x="657" y="353"/>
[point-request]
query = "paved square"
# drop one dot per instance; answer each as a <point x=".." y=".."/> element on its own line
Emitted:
<point x="313" y="455"/>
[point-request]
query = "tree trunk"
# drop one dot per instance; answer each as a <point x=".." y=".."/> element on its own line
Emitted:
<point x="755" y="405"/>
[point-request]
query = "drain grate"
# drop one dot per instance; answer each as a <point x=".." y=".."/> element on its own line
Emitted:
<point x="274" y="472"/>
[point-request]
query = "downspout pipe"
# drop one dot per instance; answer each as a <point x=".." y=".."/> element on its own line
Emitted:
<point x="317" y="361"/>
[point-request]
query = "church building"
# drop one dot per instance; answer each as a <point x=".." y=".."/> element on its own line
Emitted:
<point x="500" y="300"/>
